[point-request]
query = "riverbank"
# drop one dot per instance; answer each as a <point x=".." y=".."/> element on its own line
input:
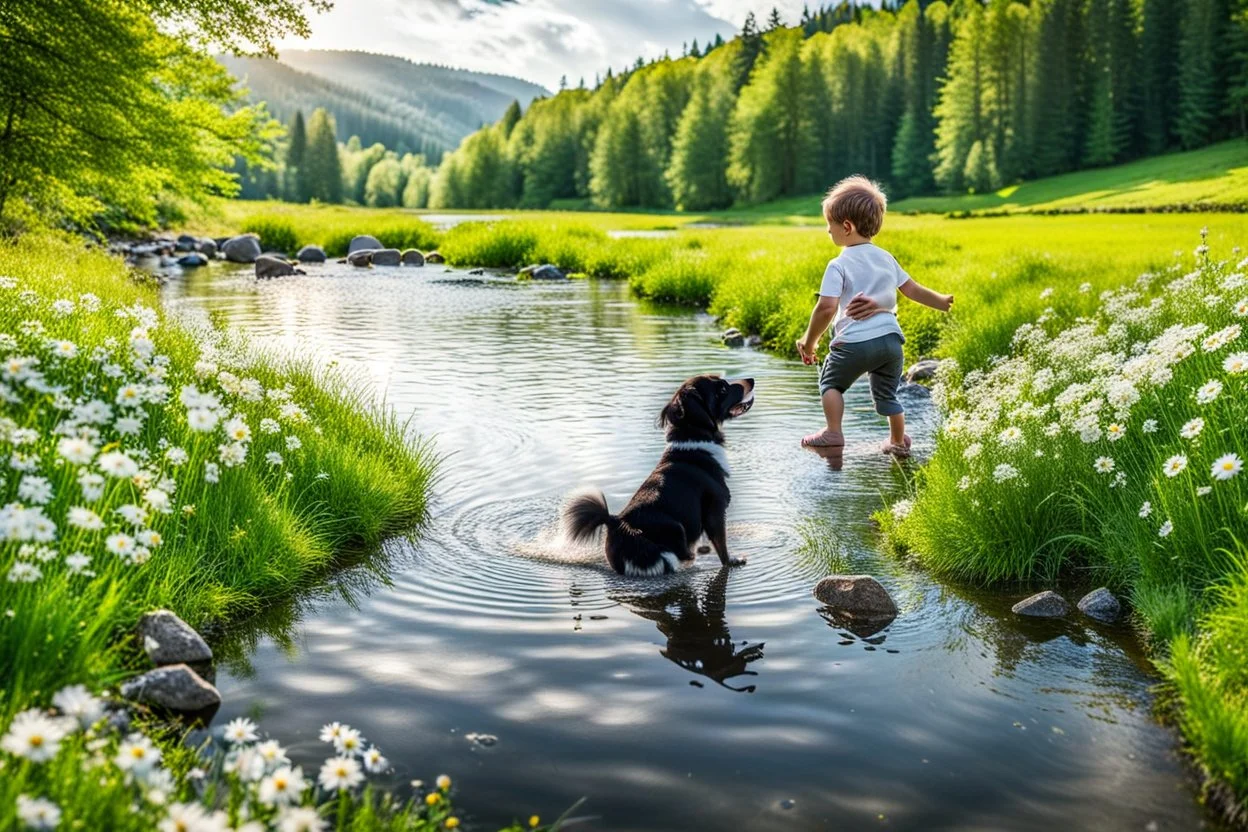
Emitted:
<point x="151" y="466"/>
<point x="1059" y="518"/>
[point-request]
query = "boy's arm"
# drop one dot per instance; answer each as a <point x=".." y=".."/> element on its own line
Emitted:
<point x="921" y="294"/>
<point x="820" y="319"/>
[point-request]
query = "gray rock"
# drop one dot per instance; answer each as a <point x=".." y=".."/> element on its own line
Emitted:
<point x="208" y="247"/>
<point x="914" y="390"/>
<point x="434" y="258"/>
<point x="311" y="254"/>
<point x="386" y="257"/>
<point x="923" y="370"/>
<point x="192" y="260"/>
<point x="733" y="338"/>
<point x="363" y="259"/>
<point x="185" y="242"/>
<point x="363" y="243"/>
<point x="857" y="595"/>
<point x="243" y="249"/>
<point x="270" y="266"/>
<point x="174" y="687"/>
<point x="753" y="340"/>
<point x="170" y="640"/>
<point x="1047" y="604"/>
<point x="544" y="271"/>
<point x="1101" y="605"/>
<point x="412" y="257"/>
<point x="476" y="272"/>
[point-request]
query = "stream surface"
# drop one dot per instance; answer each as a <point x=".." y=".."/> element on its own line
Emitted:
<point x="708" y="700"/>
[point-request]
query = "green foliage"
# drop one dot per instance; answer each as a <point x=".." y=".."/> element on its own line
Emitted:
<point x="384" y="186"/>
<point x="103" y="118"/>
<point x="275" y="233"/>
<point x="294" y="189"/>
<point x="333" y="227"/>
<point x="322" y="172"/>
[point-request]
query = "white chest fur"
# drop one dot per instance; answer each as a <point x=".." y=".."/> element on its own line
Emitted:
<point x="716" y="451"/>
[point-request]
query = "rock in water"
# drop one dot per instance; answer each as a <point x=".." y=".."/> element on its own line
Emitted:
<point x="859" y="595"/>
<point x="412" y="257"/>
<point x="208" y="247"/>
<point x="270" y="266"/>
<point x="1047" y="604"/>
<point x="185" y="242"/>
<point x="753" y="340"/>
<point x="363" y="243"/>
<point x="363" y="258"/>
<point x="544" y="271"/>
<point x="386" y="257"/>
<point x="434" y="257"/>
<point x="733" y="338"/>
<point x="170" y="640"/>
<point x="1101" y="605"/>
<point x="243" y="249"/>
<point x="923" y="370"/>
<point x="192" y="260"/>
<point x="174" y="687"/>
<point x="311" y="254"/>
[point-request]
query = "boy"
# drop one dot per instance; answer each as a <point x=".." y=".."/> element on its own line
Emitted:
<point x="866" y="336"/>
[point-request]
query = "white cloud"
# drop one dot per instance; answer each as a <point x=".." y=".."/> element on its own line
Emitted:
<point x="540" y="40"/>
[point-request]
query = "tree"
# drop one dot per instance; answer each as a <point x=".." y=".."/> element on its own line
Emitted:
<point x="511" y="117"/>
<point x="1158" y="67"/>
<point x="384" y="186"/>
<point x="696" y="173"/>
<point x="751" y="48"/>
<point x="1055" y="124"/>
<point x="322" y="167"/>
<point x="296" y="150"/>
<point x="1111" y="81"/>
<point x="774" y="20"/>
<point x="960" y="111"/>
<point x="1201" y="85"/>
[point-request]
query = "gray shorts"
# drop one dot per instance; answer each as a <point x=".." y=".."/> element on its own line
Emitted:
<point x="880" y="358"/>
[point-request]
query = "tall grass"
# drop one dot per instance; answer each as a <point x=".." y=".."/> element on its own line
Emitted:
<point x="289" y="230"/>
<point x="148" y="466"/>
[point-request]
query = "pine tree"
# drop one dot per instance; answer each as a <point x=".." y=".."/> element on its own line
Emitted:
<point x="696" y="173"/>
<point x="1057" y="83"/>
<point x="1158" y="67"/>
<point x="296" y="150"/>
<point x="323" y="169"/>
<point x="751" y="48"/>
<point x="694" y="51"/>
<point x="774" y="21"/>
<point x="1111" y="81"/>
<point x="510" y="118"/>
<point x="960" y="111"/>
<point x="1201" y="85"/>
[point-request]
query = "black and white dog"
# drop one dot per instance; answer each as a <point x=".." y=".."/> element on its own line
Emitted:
<point x="685" y="496"/>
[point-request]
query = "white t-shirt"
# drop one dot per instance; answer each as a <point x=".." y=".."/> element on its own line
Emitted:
<point x="871" y="270"/>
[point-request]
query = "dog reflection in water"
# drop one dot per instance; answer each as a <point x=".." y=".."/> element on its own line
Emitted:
<point x="697" y="635"/>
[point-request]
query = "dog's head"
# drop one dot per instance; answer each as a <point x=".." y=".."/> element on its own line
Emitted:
<point x="702" y="404"/>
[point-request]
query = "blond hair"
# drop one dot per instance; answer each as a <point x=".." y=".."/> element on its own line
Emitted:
<point x="859" y="200"/>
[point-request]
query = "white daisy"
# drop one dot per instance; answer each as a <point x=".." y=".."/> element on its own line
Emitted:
<point x="302" y="819"/>
<point x="80" y="703"/>
<point x="240" y="730"/>
<point x="1175" y="465"/>
<point x="201" y="420"/>
<point x="122" y="545"/>
<point x="22" y="572"/>
<point x="38" y="812"/>
<point x="340" y="773"/>
<point x="1236" y="363"/>
<point x="76" y="450"/>
<point x="1209" y="391"/>
<point x="137" y="754"/>
<point x="1226" y="466"/>
<point x="1103" y="465"/>
<point x="117" y="464"/>
<point x="1165" y="529"/>
<point x="1010" y="436"/>
<point x="1146" y="509"/>
<point x="374" y="762"/>
<point x="282" y="787"/>
<point x="84" y="518"/>
<point x="1192" y="429"/>
<point x="34" y="735"/>
<point x="1149" y="426"/>
<point x="1115" y="432"/>
<point x="77" y="564"/>
<point x="349" y="741"/>
<point x="1004" y="472"/>
<point x="331" y="731"/>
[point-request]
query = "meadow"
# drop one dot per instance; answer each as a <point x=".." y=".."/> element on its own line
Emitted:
<point x="1092" y="378"/>
<point x="153" y="465"/>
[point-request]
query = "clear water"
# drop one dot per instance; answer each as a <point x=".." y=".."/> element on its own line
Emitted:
<point x="708" y="700"/>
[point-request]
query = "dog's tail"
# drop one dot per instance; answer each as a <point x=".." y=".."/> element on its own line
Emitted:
<point x="583" y="513"/>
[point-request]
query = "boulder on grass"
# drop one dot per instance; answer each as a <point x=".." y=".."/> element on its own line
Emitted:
<point x="208" y="247"/>
<point x="386" y="257"/>
<point x="1101" y="605"/>
<point x="1047" y="604"/>
<point x="242" y="249"/>
<point x="185" y="242"/>
<point x="269" y="266"/>
<point x="363" y="243"/>
<point x="311" y="254"/>
<point x="362" y="259"/>
<point x="857" y="595"/>
<point x="168" y="639"/>
<point x="923" y="370"/>
<point x="174" y="687"/>
<point x="412" y="257"/>
<point x="192" y="260"/>
<point x="434" y="257"/>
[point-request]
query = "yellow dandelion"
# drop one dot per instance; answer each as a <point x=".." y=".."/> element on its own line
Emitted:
<point x="452" y="822"/>
<point x="433" y="798"/>
<point x="534" y="821"/>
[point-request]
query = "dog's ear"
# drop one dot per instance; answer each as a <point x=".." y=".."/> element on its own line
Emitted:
<point x="674" y="411"/>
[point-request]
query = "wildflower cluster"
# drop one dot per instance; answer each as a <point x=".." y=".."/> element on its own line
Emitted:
<point x="103" y="446"/>
<point x="240" y="781"/>
<point x="1136" y="411"/>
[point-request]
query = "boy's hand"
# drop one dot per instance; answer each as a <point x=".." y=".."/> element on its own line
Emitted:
<point x="806" y="352"/>
<point x="861" y="307"/>
<point x="946" y="301"/>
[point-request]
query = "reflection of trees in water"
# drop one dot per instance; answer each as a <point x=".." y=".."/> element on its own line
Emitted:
<point x="697" y="634"/>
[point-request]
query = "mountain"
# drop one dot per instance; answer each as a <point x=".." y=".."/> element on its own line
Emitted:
<point x="380" y="98"/>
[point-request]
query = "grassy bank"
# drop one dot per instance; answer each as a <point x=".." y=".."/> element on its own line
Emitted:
<point x="148" y="466"/>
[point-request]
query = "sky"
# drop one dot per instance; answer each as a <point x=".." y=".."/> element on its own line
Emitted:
<point x="539" y="40"/>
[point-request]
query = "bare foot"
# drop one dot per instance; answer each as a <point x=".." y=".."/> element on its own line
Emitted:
<point x="901" y="451"/>
<point x="824" y="439"/>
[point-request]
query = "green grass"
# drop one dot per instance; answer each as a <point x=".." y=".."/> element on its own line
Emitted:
<point x="327" y="474"/>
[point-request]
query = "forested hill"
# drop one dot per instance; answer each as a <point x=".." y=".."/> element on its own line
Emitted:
<point x="930" y="97"/>
<point x="404" y="105"/>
